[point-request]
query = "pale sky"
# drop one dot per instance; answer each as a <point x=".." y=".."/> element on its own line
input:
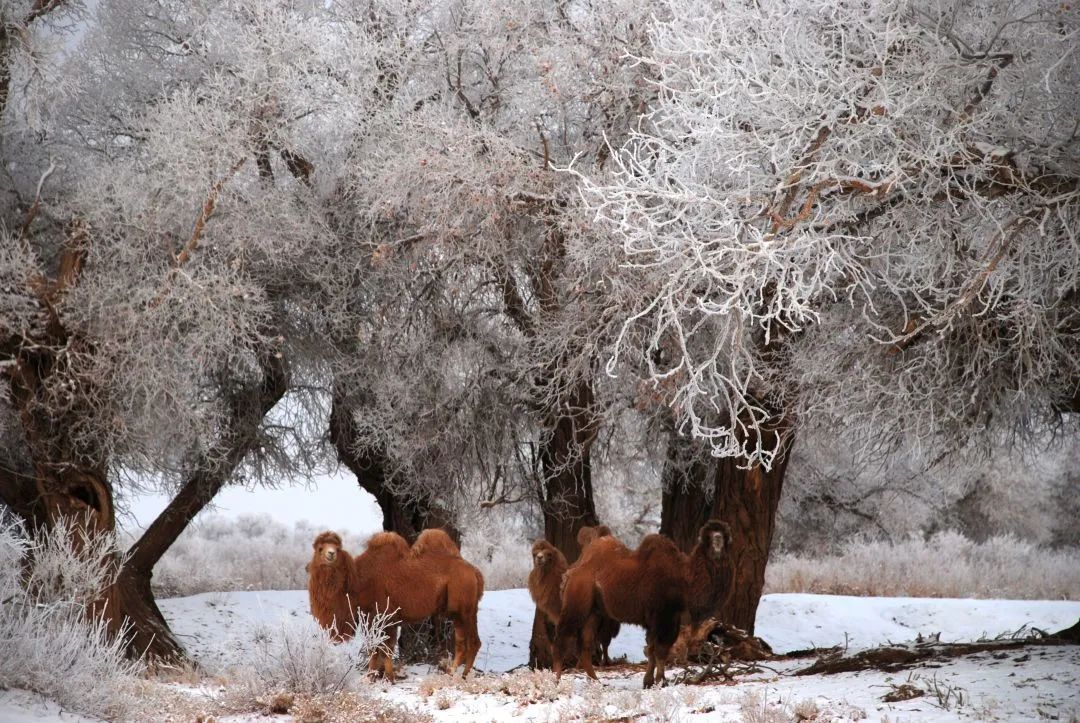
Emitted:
<point x="334" y="502"/>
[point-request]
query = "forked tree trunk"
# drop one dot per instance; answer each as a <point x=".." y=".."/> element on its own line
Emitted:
<point x="407" y="516"/>
<point x="81" y="493"/>
<point x="746" y="499"/>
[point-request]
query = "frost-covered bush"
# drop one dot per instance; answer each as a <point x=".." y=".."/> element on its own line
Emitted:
<point x="498" y="542"/>
<point x="298" y="657"/>
<point x="945" y="565"/>
<point x="48" y="642"/>
<point x="250" y="552"/>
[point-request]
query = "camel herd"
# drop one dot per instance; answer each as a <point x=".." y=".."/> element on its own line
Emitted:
<point x="656" y="586"/>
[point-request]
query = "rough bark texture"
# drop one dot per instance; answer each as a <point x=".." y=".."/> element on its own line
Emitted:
<point x="746" y="499"/>
<point x="407" y="516"/>
<point x="567" y="502"/>
<point x="133" y="595"/>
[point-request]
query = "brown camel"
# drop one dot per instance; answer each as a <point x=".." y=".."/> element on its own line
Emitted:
<point x="650" y="586"/>
<point x="332" y="588"/>
<point x="607" y="628"/>
<point x="414" y="587"/>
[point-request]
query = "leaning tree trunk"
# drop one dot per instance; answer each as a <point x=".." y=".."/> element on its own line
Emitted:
<point x="134" y="599"/>
<point x="746" y="499"/>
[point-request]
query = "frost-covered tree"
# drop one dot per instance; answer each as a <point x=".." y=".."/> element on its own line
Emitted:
<point x="479" y="367"/>
<point x="855" y="216"/>
<point x="176" y="278"/>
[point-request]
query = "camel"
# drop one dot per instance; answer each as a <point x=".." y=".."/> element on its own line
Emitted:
<point x="607" y="628"/>
<point x="654" y="586"/>
<point x="435" y="581"/>
<point x="332" y="589"/>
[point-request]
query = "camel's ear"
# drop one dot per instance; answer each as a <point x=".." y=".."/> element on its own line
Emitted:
<point x="307" y="567"/>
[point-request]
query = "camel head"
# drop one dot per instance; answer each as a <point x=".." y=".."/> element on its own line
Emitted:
<point x="543" y="554"/>
<point x="327" y="549"/>
<point x="715" y="538"/>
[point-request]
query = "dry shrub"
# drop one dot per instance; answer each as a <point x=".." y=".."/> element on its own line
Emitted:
<point x="946" y="565"/>
<point x="48" y="643"/>
<point x="295" y="658"/>
<point x="525" y="686"/>
<point x="603" y="703"/>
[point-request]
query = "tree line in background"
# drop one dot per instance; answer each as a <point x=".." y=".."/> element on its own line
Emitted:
<point x="476" y="252"/>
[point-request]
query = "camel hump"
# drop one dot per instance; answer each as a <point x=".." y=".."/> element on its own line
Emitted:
<point x="587" y="534"/>
<point x="606" y="547"/>
<point x="391" y="541"/>
<point x="657" y="547"/>
<point x="435" y="541"/>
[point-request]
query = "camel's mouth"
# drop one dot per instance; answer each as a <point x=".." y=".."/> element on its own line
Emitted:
<point x="330" y="554"/>
<point x="541" y="559"/>
<point x="718" y="543"/>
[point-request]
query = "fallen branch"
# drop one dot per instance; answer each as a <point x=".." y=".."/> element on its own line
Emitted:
<point x="891" y="658"/>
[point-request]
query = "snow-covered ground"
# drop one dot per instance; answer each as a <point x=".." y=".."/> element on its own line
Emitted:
<point x="1040" y="682"/>
<point x="1030" y="684"/>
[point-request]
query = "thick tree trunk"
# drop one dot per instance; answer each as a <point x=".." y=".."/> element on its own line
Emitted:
<point x="80" y="492"/>
<point x="746" y="499"/>
<point x="408" y="516"/>
<point x="568" y="503"/>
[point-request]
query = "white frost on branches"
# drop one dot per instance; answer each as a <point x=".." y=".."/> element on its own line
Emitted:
<point x="844" y="210"/>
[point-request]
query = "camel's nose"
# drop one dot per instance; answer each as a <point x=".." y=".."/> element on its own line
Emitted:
<point x="330" y="555"/>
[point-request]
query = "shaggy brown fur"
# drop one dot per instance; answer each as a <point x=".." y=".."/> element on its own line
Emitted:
<point x="545" y="582"/>
<point x="650" y="586"/>
<point x="435" y="540"/>
<point x="545" y="579"/>
<point x="332" y="586"/>
<point x="415" y="587"/>
<point x="607" y="628"/>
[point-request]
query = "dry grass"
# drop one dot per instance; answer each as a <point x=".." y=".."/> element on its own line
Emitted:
<point x="946" y="565"/>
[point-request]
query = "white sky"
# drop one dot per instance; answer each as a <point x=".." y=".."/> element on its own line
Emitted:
<point x="334" y="502"/>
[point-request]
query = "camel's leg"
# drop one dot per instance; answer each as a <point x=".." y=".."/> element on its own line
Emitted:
<point x="388" y="656"/>
<point x="461" y="638"/>
<point x="472" y="643"/>
<point x="650" y="656"/>
<point x="588" y="641"/>
<point x="557" y="646"/>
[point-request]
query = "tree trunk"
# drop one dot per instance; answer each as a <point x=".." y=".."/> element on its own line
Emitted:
<point x="567" y="502"/>
<point x="80" y="491"/>
<point x="132" y="596"/>
<point x="424" y="642"/>
<point x="406" y="516"/>
<point x="746" y="499"/>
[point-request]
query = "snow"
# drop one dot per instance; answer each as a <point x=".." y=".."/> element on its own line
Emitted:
<point x="22" y="706"/>
<point x="787" y="621"/>
<point x="1028" y="684"/>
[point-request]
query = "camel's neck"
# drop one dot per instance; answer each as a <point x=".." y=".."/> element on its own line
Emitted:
<point x="334" y="578"/>
<point x="706" y="583"/>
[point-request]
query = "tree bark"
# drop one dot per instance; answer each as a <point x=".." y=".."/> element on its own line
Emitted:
<point x="132" y="597"/>
<point x="408" y="516"/>
<point x="567" y="501"/>
<point x="747" y="499"/>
